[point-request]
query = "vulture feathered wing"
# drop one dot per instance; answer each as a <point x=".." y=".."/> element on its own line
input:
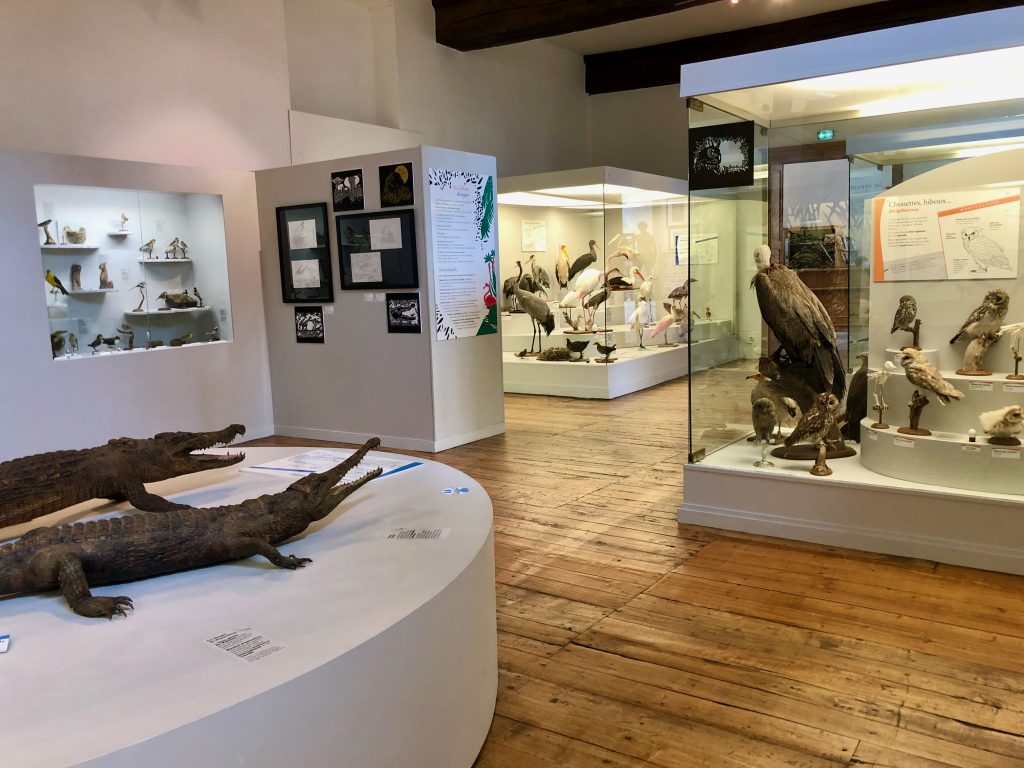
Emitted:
<point x="800" y="323"/>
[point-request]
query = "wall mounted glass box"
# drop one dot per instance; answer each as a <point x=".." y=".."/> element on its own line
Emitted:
<point x="129" y="270"/>
<point x="623" y="237"/>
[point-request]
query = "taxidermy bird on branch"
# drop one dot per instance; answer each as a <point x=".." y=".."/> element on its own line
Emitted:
<point x="799" y="321"/>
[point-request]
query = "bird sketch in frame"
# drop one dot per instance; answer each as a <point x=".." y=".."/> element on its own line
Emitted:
<point x="403" y="312"/>
<point x="347" y="190"/>
<point x="309" y="325"/>
<point x="722" y="156"/>
<point x="396" y="188"/>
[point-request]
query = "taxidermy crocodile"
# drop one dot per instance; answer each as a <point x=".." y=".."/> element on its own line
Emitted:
<point x="74" y="557"/>
<point x="37" y="485"/>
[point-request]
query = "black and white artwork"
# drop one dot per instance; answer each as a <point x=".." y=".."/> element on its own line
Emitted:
<point x="403" y="312"/>
<point x="309" y="325"/>
<point x="347" y="190"/>
<point x="396" y="187"/>
<point x="722" y="156"/>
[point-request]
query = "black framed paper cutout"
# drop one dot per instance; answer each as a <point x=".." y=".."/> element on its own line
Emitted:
<point x="309" y="325"/>
<point x="722" y="156"/>
<point x="396" y="185"/>
<point x="403" y="312"/>
<point x="377" y="250"/>
<point x="347" y="190"/>
<point x="304" y="250"/>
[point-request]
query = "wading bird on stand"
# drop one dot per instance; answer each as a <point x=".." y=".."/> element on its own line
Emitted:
<point x="539" y="313"/>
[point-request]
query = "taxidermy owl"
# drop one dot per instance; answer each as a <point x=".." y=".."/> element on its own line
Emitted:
<point x="906" y="312"/>
<point x="815" y="425"/>
<point x="986" y="317"/>
<point x="985" y="251"/>
<point x="763" y="418"/>
<point x="1002" y="422"/>
<point x="924" y="375"/>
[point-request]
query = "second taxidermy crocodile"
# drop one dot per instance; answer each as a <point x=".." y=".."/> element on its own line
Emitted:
<point x="47" y="482"/>
<point x="74" y="557"/>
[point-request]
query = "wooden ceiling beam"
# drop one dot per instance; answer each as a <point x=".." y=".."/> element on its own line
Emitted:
<point x="657" y="65"/>
<point x="470" y="25"/>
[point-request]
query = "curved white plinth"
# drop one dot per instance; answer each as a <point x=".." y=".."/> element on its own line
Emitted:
<point x="389" y="646"/>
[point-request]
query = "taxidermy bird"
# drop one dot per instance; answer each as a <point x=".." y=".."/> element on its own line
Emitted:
<point x="764" y="419"/>
<point x="183" y="247"/>
<point x="646" y="288"/>
<point x="661" y="327"/>
<point x="508" y="297"/>
<point x="195" y="292"/>
<point x="46" y="231"/>
<point x="986" y="317"/>
<point x="562" y="267"/>
<point x="96" y="343"/>
<point x="147" y="248"/>
<point x="906" y="312"/>
<point x="985" y="251"/>
<point x="815" y="425"/>
<point x="636" y="320"/>
<point x="766" y="388"/>
<point x="681" y="292"/>
<point x="172" y="248"/>
<point x="924" y="375"/>
<point x="1002" y="422"/>
<point x="539" y="313"/>
<point x="539" y="274"/>
<point x="584" y="261"/>
<point x="73" y="343"/>
<point x="633" y="280"/>
<point x="799" y="321"/>
<point x="178" y="300"/>
<point x="55" y="283"/>
<point x="605" y="349"/>
<point x="588" y="280"/>
<point x="576" y="347"/>
<point x="856" y="400"/>
<point x="57" y="342"/>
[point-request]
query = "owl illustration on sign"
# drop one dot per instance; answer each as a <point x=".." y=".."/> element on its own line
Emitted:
<point x="985" y="251"/>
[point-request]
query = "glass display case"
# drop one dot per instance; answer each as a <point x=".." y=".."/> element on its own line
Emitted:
<point x="605" y="251"/>
<point x="130" y="270"/>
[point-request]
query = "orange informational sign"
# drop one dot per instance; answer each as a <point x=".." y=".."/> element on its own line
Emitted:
<point x="965" y="235"/>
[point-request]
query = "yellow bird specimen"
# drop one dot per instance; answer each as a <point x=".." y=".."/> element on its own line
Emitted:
<point x="54" y="281"/>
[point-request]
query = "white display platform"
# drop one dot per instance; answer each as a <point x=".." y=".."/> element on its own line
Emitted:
<point x="389" y="646"/>
<point x="854" y="507"/>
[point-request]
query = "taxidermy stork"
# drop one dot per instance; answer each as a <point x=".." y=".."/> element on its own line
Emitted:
<point x="584" y="261"/>
<point x="539" y="313"/>
<point x="799" y="321"/>
<point x="619" y="280"/>
<point x="562" y="267"/>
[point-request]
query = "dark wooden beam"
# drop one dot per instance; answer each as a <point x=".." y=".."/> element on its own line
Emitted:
<point x="470" y="25"/>
<point x="656" y="65"/>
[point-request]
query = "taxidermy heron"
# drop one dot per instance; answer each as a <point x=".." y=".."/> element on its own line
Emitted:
<point x="799" y="321"/>
<point x="539" y="313"/>
<point x="508" y="297"/>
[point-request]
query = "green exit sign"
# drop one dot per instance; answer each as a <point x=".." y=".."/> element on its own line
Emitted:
<point x="826" y="134"/>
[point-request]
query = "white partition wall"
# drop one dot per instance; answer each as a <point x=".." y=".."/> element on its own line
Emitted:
<point x="410" y="389"/>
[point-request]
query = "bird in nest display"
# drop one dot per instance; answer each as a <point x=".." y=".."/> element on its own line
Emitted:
<point x="1003" y="425"/>
<point x="800" y="323"/>
<point x="814" y="427"/>
<point x="987" y="317"/>
<point x="181" y="300"/>
<point x="985" y="251"/>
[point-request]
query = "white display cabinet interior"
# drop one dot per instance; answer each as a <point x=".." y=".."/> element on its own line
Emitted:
<point x="129" y="270"/>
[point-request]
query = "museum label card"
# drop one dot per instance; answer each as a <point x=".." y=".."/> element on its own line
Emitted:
<point x="903" y="442"/>
<point x="981" y="386"/>
<point x="534" y="236"/>
<point x="302" y="234"/>
<point x="970" y="448"/>
<point x="323" y="459"/>
<point x="5" y="643"/>
<point x="419" y="534"/>
<point x="385" y="234"/>
<point x="871" y="435"/>
<point x="366" y="267"/>
<point x="306" y="273"/>
<point x="245" y="644"/>
<point x="1005" y="453"/>
<point x="1013" y="386"/>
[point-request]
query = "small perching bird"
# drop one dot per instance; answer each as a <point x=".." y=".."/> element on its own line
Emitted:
<point x="924" y="375"/>
<point x="985" y="251"/>
<point x="55" y="283"/>
<point x="562" y="267"/>
<point x="1003" y="424"/>
<point x="987" y="317"/>
<point x="584" y="261"/>
<point x="799" y="321"/>
<point x="814" y="427"/>
<point x="147" y="248"/>
<point x="903" y="320"/>
<point x="764" y="419"/>
<point x="539" y="313"/>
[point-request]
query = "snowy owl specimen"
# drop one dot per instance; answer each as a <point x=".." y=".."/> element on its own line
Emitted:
<point x="924" y="375"/>
<point x="1003" y="422"/>
<point x="985" y="251"/>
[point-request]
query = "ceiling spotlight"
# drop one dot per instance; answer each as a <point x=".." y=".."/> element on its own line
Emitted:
<point x="734" y="2"/>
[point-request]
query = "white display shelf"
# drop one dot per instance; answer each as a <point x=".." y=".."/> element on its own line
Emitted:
<point x="185" y="260"/>
<point x="854" y="507"/>
<point x="161" y="312"/>
<point x="107" y="353"/>
<point x="69" y="247"/>
<point x="982" y="393"/>
<point x="389" y="646"/>
<point x="90" y="291"/>
<point x="119" y="233"/>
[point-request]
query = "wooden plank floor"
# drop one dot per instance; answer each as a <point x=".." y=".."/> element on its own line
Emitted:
<point x="627" y="640"/>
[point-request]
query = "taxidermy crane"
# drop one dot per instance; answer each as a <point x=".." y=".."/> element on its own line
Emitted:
<point x="799" y="321"/>
<point x="538" y="273"/>
<point x="584" y="261"/>
<point x="508" y="297"/>
<point x="539" y="313"/>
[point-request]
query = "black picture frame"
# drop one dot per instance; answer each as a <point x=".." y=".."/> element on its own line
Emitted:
<point x="356" y="241"/>
<point x="309" y="325"/>
<point x="298" y="262"/>
<point x="396" y="185"/>
<point x="722" y="156"/>
<point x="404" y="315"/>
<point x="347" y="190"/>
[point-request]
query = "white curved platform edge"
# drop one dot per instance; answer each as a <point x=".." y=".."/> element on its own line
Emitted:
<point x="389" y="657"/>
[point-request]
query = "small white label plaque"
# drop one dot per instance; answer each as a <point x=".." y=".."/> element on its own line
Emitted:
<point x="871" y="435"/>
<point x="5" y="643"/>
<point x="1005" y="453"/>
<point x="410" y="534"/>
<point x="982" y="386"/>
<point x="903" y="442"/>
<point x="970" y="448"/>
<point x="245" y="644"/>
<point x="1013" y="386"/>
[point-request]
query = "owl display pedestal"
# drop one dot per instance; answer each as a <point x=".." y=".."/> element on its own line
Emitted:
<point x="809" y="452"/>
<point x="974" y="356"/>
<point x="917" y="404"/>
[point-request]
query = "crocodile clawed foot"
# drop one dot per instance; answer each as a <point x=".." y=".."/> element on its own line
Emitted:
<point x="104" y="607"/>
<point x="292" y="562"/>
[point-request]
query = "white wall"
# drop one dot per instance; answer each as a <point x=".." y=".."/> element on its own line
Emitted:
<point x="50" y="405"/>
<point x="643" y="130"/>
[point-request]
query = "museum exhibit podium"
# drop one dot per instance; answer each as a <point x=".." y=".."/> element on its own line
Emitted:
<point x="388" y="645"/>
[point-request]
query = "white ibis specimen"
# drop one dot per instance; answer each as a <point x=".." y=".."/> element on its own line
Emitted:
<point x="636" y="320"/>
<point x="508" y="297"/>
<point x="799" y="322"/>
<point x="539" y="313"/>
<point x="584" y="261"/>
<point x="681" y="292"/>
<point x="539" y="274"/>
<point x="562" y="267"/>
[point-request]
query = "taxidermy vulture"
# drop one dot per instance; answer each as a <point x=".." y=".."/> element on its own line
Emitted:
<point x="799" y="322"/>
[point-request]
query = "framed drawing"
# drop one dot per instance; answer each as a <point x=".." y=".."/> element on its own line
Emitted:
<point x="347" y="190"/>
<point x="305" y="253"/>
<point x="377" y="250"/>
<point x="396" y="185"/>
<point x="309" y="325"/>
<point x="403" y="312"/>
